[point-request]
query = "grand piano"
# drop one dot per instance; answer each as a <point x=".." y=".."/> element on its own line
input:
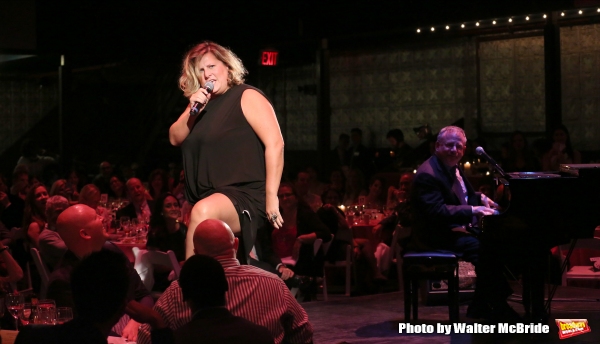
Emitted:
<point x="537" y="212"/>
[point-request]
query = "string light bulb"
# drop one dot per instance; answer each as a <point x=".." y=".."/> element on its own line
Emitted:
<point x="477" y="24"/>
<point x="447" y="27"/>
<point x="510" y="20"/>
<point x="494" y="22"/>
<point x="432" y="29"/>
<point x="462" y="26"/>
<point x="418" y="30"/>
<point x="545" y="16"/>
<point x="527" y="18"/>
<point x="562" y="14"/>
<point x="580" y="12"/>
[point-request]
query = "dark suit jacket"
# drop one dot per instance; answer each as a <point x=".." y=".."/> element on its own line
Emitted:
<point x="437" y="207"/>
<point x="215" y="325"/>
<point x="129" y="210"/>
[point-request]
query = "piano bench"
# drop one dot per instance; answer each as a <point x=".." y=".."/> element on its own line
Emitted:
<point x="580" y="272"/>
<point x="429" y="265"/>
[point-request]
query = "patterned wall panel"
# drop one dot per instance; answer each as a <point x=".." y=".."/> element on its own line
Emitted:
<point x="580" y="58"/>
<point x="512" y="85"/>
<point x="23" y="103"/>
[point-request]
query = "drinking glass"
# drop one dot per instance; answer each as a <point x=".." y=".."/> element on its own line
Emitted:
<point x="64" y="314"/>
<point x="26" y="313"/>
<point x="46" y="312"/>
<point x="14" y="303"/>
<point x="135" y="225"/>
<point x="125" y="224"/>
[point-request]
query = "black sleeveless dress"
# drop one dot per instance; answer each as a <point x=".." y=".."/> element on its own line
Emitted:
<point x="223" y="154"/>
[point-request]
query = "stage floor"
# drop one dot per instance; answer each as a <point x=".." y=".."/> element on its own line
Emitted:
<point x="375" y="319"/>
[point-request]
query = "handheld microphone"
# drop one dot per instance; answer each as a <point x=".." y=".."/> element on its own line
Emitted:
<point x="479" y="151"/>
<point x="209" y="86"/>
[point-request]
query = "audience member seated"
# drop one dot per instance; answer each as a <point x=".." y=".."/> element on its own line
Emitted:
<point x="376" y="197"/>
<point x="166" y="233"/>
<point x="337" y="182"/>
<point x="34" y="218"/>
<point x="102" y="179"/>
<point x="398" y="156"/>
<point x="20" y="184"/>
<point x="83" y="233"/>
<point x="302" y="185"/>
<point x="400" y="205"/>
<point x="99" y="286"/>
<point x="254" y="294"/>
<point x="10" y="271"/>
<point x="159" y="183"/>
<point x="562" y="151"/>
<point x="61" y="188"/>
<point x="203" y="286"/>
<point x="52" y="247"/>
<point x="315" y="185"/>
<point x="355" y="187"/>
<point x="139" y="206"/>
<point x="117" y="189"/>
<point x="519" y="158"/>
<point x="75" y="182"/>
<point x="32" y="159"/>
<point x="335" y="220"/>
<point x="90" y="196"/>
<point x="301" y="227"/>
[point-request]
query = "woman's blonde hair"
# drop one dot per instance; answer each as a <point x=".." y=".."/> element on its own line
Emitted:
<point x="189" y="82"/>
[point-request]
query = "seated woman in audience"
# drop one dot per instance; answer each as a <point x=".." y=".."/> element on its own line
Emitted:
<point x="61" y="188"/>
<point x="34" y="218"/>
<point x="562" y="151"/>
<point x="90" y="196"/>
<point x="117" y="188"/>
<point x="159" y="183"/>
<point x="166" y="232"/>
<point x="335" y="220"/>
<point x="519" y="157"/>
<point x="376" y="198"/>
<point x="355" y="187"/>
<point x="52" y="247"/>
<point x="74" y="181"/>
<point x="301" y="227"/>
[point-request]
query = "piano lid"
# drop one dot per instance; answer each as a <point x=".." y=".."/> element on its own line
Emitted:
<point x="532" y="175"/>
<point x="575" y="168"/>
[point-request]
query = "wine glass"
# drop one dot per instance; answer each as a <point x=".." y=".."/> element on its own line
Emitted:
<point x="14" y="303"/>
<point x="46" y="312"/>
<point x="125" y="224"/>
<point x="25" y="314"/>
<point x="64" y="314"/>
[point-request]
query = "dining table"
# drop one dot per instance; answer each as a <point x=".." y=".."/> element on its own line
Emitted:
<point x="126" y="244"/>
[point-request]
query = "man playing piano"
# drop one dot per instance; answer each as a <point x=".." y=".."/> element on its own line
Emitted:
<point x="446" y="213"/>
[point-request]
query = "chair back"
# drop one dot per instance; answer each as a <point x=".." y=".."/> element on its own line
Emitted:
<point x="326" y="245"/>
<point x="145" y="261"/>
<point x="42" y="270"/>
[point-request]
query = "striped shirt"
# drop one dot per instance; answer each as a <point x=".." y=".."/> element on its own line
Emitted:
<point x="254" y="294"/>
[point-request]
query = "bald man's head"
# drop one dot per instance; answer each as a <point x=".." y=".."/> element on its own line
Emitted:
<point x="214" y="238"/>
<point x="81" y="229"/>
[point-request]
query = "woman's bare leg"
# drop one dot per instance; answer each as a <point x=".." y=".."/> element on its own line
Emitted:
<point x="215" y="206"/>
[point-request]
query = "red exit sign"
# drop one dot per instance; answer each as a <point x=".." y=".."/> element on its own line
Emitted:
<point x="269" y="58"/>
